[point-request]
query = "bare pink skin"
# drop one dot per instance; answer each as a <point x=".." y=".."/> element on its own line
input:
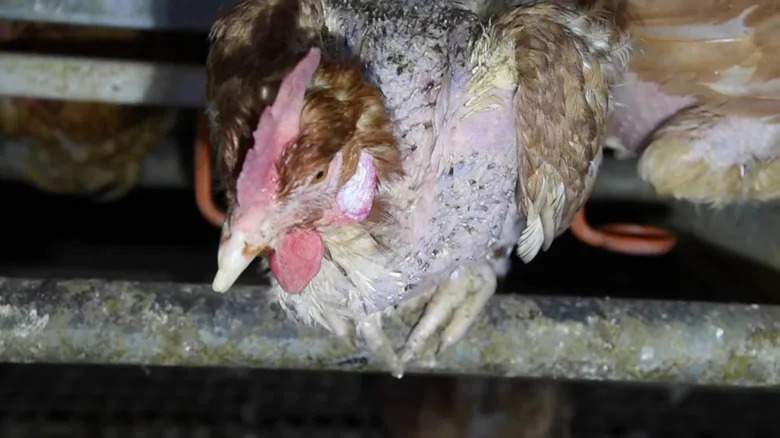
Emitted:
<point x="640" y="108"/>
<point x="297" y="255"/>
<point x="455" y="204"/>
<point x="356" y="198"/>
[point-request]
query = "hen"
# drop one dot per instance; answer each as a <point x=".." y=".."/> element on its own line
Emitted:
<point x="73" y="147"/>
<point x="82" y="148"/>
<point x="702" y="98"/>
<point x="389" y="151"/>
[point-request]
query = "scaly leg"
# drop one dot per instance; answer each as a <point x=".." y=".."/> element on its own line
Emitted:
<point x="453" y="308"/>
<point x="417" y="303"/>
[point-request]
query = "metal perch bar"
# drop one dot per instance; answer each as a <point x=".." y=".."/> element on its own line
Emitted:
<point x="137" y="14"/>
<point x="594" y="339"/>
<point x="101" y="80"/>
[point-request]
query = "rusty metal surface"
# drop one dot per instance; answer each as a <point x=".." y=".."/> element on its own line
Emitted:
<point x="593" y="339"/>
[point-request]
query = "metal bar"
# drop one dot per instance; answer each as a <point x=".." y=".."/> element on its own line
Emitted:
<point x="116" y="81"/>
<point x="751" y="230"/>
<point x="137" y="14"/>
<point x="594" y="339"/>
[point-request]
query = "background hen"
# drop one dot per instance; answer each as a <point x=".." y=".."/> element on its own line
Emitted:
<point x="702" y="98"/>
<point x="403" y="159"/>
<point x="82" y="148"/>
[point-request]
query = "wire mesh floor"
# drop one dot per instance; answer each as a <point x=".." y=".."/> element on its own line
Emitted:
<point x="50" y="401"/>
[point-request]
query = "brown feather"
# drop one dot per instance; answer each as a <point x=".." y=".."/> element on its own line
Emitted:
<point x="562" y="132"/>
<point x="687" y="46"/>
<point x="343" y="113"/>
<point x="254" y="46"/>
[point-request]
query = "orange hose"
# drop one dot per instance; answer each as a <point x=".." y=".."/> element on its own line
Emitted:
<point x="624" y="238"/>
<point x="203" y="192"/>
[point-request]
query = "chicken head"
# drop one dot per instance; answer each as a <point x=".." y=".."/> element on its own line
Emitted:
<point x="290" y="186"/>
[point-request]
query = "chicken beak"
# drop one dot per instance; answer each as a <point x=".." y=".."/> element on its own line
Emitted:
<point x="232" y="259"/>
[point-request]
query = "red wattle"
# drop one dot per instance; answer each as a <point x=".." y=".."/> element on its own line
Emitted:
<point x="297" y="259"/>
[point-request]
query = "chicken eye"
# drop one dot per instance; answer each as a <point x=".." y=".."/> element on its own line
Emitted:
<point x="319" y="176"/>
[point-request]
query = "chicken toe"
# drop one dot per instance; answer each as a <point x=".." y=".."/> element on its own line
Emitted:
<point x="370" y="329"/>
<point x="452" y="309"/>
<point x="126" y="179"/>
<point x="482" y="286"/>
<point x="341" y="328"/>
<point x="437" y="313"/>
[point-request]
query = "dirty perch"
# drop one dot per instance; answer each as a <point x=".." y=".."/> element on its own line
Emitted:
<point x="593" y="339"/>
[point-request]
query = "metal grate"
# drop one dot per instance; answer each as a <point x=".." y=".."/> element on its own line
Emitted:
<point x="48" y="401"/>
<point x="644" y="411"/>
<point x="81" y="401"/>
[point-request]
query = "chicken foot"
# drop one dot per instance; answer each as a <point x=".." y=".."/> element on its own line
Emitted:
<point x="452" y="308"/>
<point x="370" y="328"/>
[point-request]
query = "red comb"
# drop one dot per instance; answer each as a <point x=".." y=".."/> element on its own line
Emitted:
<point x="278" y="126"/>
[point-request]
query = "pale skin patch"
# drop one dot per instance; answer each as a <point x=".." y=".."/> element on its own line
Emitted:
<point x="356" y="197"/>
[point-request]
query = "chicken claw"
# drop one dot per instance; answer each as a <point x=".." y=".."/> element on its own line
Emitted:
<point x="453" y="308"/>
<point x="370" y="328"/>
<point x="341" y="328"/>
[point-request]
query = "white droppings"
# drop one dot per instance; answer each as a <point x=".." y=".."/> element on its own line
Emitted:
<point x="155" y="317"/>
<point x="719" y="333"/>
<point x="25" y="323"/>
<point x="647" y="353"/>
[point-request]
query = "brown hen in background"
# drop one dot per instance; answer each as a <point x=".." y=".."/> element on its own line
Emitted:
<point x="82" y="148"/>
<point x="701" y="101"/>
